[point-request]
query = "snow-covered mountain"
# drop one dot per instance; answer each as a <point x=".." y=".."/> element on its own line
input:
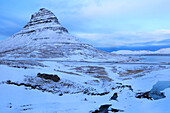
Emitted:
<point x="164" y="51"/>
<point x="44" y="37"/>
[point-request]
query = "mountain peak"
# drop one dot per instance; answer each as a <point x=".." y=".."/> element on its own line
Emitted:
<point x="44" y="19"/>
<point x="44" y="14"/>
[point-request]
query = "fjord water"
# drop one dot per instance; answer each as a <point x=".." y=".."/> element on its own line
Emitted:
<point x="153" y="58"/>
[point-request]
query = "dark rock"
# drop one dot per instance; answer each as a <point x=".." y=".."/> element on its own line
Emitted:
<point x="150" y="95"/>
<point x="144" y="95"/>
<point x="54" y="78"/>
<point x="22" y="83"/>
<point x="104" y="109"/>
<point x="60" y="94"/>
<point x="114" y="97"/>
<point x="130" y="87"/>
<point x="123" y="86"/>
<point x="26" y="85"/>
<point x="86" y="91"/>
<point x="8" y="81"/>
<point x="10" y="105"/>
<point x="155" y="93"/>
<point x="104" y="93"/>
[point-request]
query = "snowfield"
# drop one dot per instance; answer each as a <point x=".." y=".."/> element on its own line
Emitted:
<point x="83" y="87"/>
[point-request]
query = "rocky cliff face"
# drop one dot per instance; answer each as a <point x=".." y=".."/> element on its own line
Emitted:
<point x="42" y="20"/>
<point x="44" y="37"/>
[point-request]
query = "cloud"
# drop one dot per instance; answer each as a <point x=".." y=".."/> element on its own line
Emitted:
<point x="107" y="16"/>
<point x="8" y="28"/>
<point x="159" y="37"/>
<point x="96" y="9"/>
<point x="109" y="8"/>
<point x="8" y="23"/>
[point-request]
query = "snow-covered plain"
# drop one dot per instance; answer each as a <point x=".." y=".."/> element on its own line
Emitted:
<point x="97" y="77"/>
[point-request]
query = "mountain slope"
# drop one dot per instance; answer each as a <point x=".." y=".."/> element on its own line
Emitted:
<point x="45" y="37"/>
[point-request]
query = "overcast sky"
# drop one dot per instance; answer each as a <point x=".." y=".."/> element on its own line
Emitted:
<point x="102" y="23"/>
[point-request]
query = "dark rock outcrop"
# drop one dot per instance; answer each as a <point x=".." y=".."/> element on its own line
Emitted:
<point x="150" y="95"/>
<point x="114" y="97"/>
<point x="104" y="109"/>
<point x="144" y="95"/>
<point x="54" y="78"/>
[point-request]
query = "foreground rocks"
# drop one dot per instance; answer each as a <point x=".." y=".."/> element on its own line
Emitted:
<point x="105" y="109"/>
<point x="150" y="95"/>
<point x="155" y="93"/>
<point x="114" y="97"/>
<point x="54" y="78"/>
<point x="143" y="95"/>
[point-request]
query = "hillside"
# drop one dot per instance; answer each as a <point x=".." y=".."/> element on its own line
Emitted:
<point x="43" y="37"/>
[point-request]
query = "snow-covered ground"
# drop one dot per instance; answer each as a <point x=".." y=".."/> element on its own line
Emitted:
<point x="83" y="86"/>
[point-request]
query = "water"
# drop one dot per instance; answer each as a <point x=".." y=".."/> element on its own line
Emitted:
<point x="154" y="58"/>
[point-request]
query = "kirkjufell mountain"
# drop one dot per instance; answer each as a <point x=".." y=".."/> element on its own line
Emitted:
<point x="44" y="37"/>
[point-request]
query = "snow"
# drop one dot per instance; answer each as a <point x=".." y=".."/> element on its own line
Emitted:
<point x="33" y="100"/>
<point x="158" y="52"/>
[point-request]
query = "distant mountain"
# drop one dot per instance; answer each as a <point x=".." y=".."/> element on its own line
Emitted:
<point x="164" y="51"/>
<point x="134" y="48"/>
<point x="44" y="37"/>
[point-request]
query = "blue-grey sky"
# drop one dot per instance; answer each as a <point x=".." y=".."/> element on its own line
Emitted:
<point x="102" y="23"/>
